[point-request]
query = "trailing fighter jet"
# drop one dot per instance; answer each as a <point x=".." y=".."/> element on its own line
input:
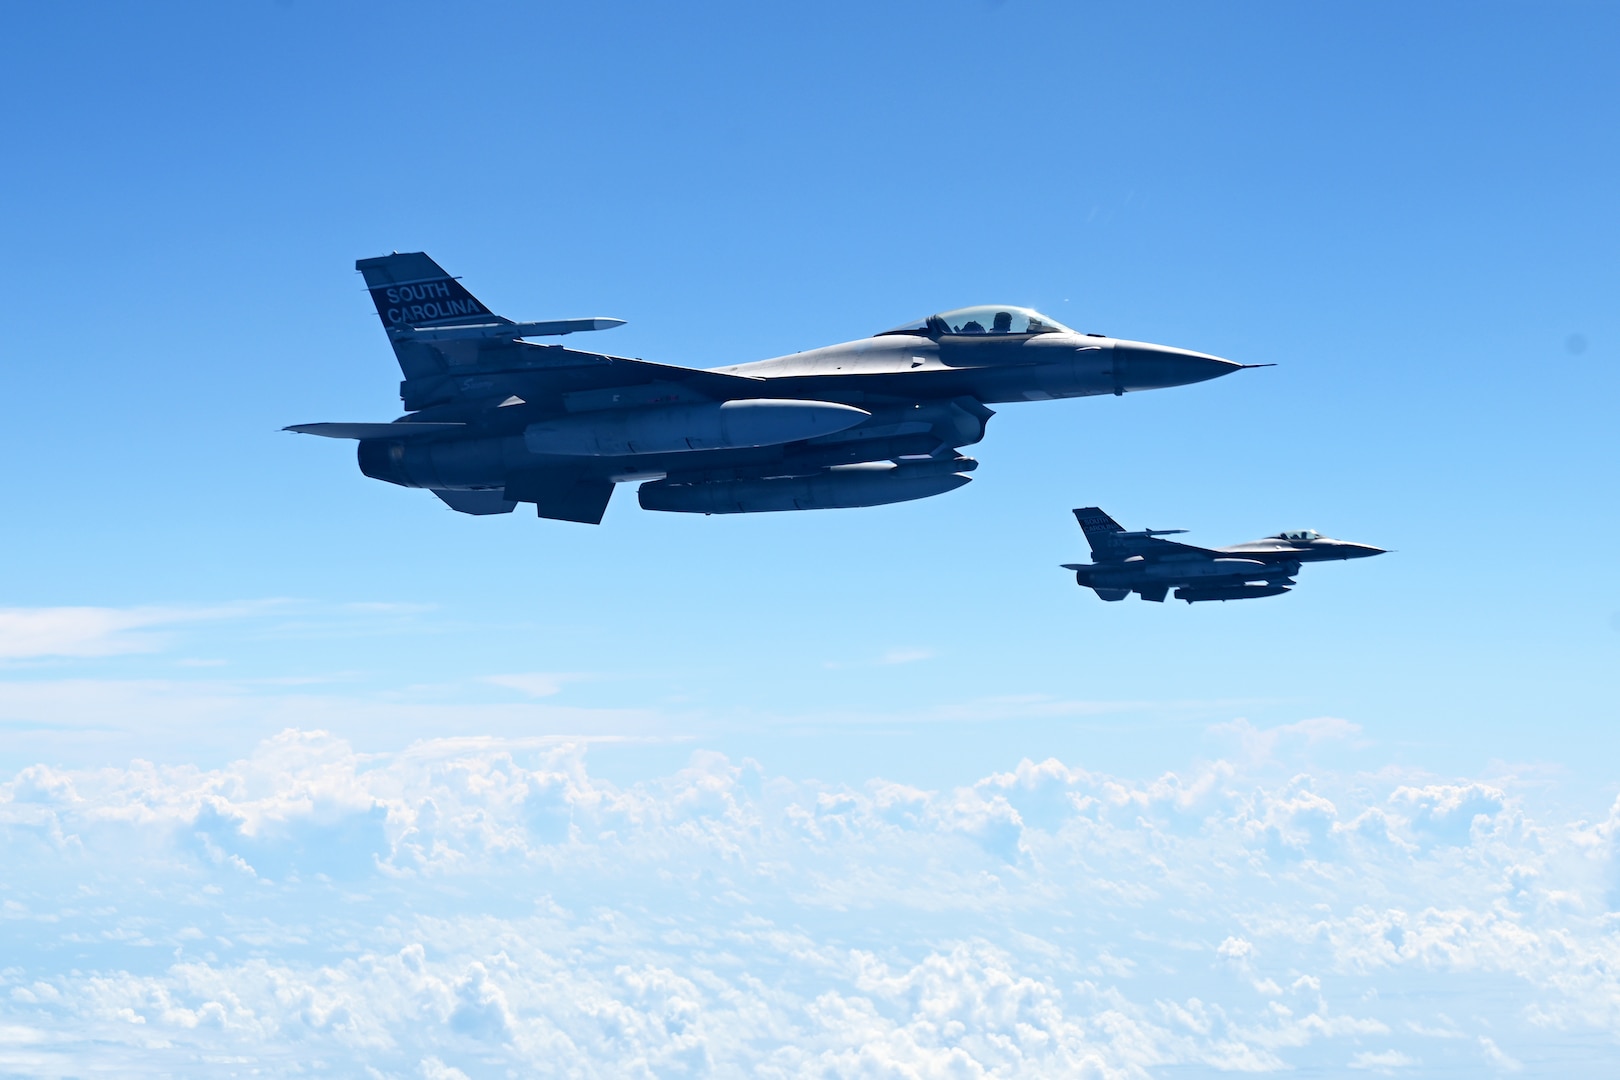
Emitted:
<point x="1140" y="562"/>
<point x="494" y="420"/>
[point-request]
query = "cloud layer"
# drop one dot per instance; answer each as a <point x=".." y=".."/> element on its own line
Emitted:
<point x="481" y="907"/>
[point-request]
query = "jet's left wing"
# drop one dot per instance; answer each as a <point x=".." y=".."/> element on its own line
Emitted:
<point x="1150" y="548"/>
<point x="571" y="380"/>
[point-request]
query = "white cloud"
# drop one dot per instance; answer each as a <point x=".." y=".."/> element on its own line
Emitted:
<point x="32" y="633"/>
<point x="1262" y="744"/>
<point x="89" y="633"/>
<point x="1495" y="1058"/>
<point x="905" y="656"/>
<point x="887" y="658"/>
<point x="534" y="684"/>
<point x="1450" y="811"/>
<point x="212" y="717"/>
<point x="1385" y="1061"/>
<point x="434" y="1069"/>
<point x="477" y="903"/>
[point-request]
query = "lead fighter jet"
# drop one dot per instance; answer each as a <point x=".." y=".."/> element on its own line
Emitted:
<point x="1140" y="562"/>
<point x="494" y="420"/>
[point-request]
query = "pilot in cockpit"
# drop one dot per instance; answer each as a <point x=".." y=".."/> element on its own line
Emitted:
<point x="1002" y="323"/>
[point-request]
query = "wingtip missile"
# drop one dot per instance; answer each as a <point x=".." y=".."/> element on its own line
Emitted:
<point x="1143" y="534"/>
<point x="504" y="330"/>
<point x="558" y="327"/>
<point x="405" y="430"/>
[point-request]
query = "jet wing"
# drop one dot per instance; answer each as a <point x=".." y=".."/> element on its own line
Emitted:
<point x="1150" y="548"/>
<point x="553" y="374"/>
<point x="1162" y="548"/>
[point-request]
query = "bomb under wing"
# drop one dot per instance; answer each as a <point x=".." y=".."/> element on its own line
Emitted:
<point x="1143" y="563"/>
<point x="494" y="420"/>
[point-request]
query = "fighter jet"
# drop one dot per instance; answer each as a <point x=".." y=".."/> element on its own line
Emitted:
<point x="494" y="420"/>
<point x="1140" y="562"/>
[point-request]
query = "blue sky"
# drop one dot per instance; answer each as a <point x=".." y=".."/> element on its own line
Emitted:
<point x="220" y="642"/>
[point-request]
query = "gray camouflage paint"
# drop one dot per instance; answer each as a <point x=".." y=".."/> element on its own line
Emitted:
<point x="1143" y="563"/>
<point x="495" y="420"/>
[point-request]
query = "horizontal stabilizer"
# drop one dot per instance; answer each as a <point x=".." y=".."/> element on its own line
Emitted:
<point x="374" y="431"/>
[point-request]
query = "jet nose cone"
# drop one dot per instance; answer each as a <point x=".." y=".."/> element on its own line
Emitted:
<point x="1140" y="366"/>
<point x="1344" y="549"/>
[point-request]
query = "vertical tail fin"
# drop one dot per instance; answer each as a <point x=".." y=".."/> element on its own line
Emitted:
<point x="411" y="290"/>
<point x="1100" y="529"/>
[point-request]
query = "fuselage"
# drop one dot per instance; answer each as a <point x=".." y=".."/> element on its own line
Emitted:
<point x="861" y="423"/>
<point x="1264" y="567"/>
<point x="989" y="368"/>
<point x="922" y="392"/>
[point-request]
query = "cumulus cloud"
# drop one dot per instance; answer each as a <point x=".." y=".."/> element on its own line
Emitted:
<point x="478" y="903"/>
<point x="1450" y="812"/>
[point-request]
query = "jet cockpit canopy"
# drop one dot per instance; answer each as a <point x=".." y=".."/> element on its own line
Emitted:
<point x="1303" y="535"/>
<point x="985" y="319"/>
